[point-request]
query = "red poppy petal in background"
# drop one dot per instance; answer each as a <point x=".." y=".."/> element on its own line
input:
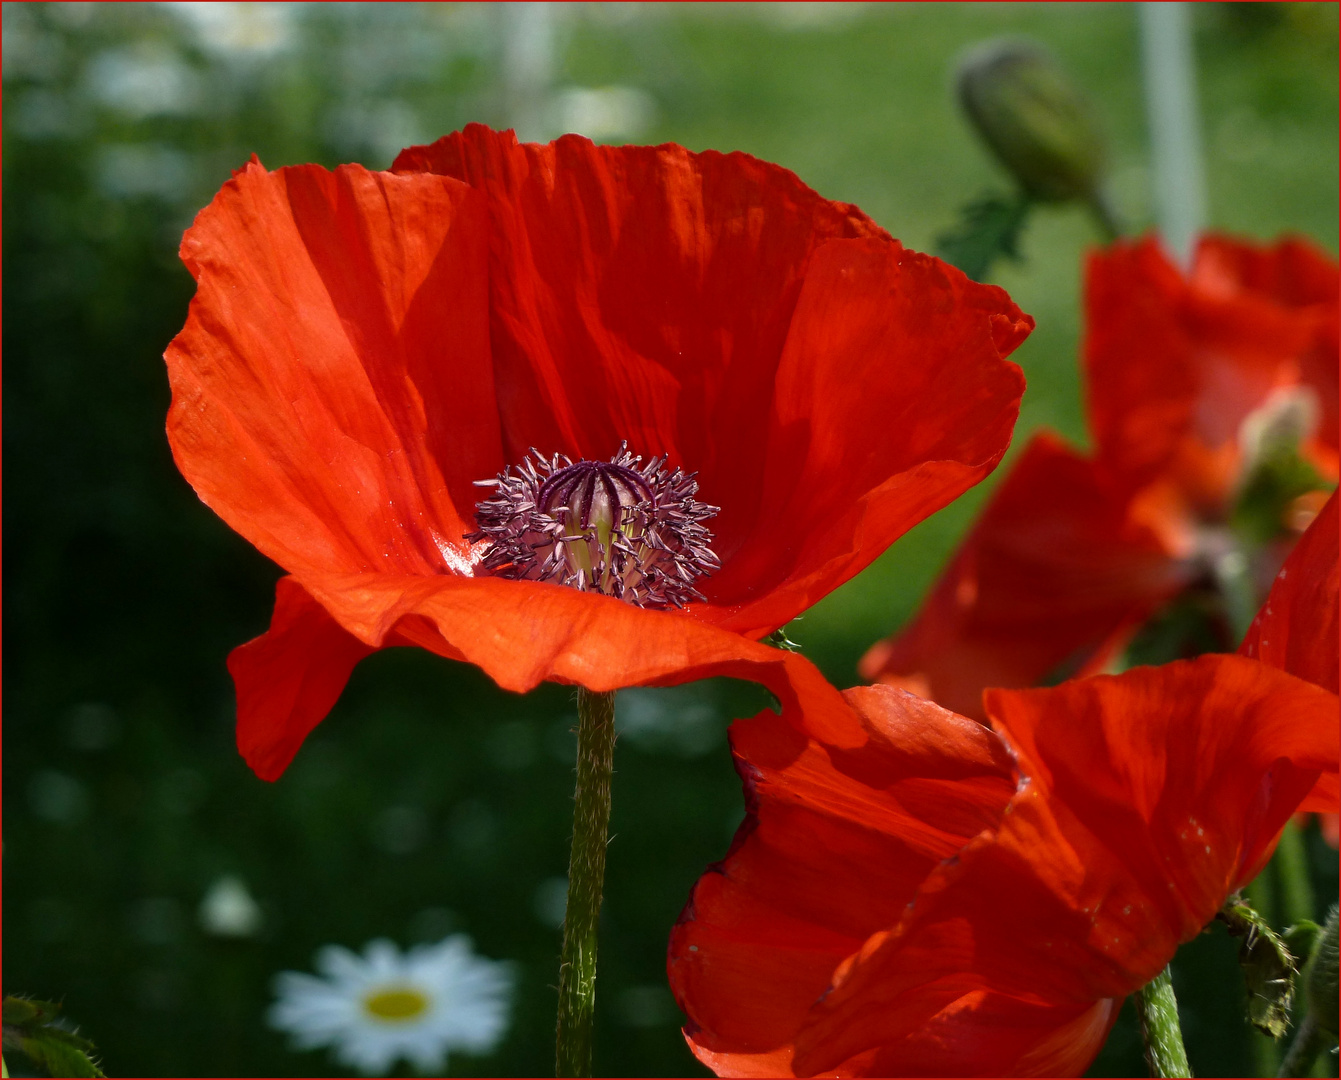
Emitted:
<point x="335" y="365"/>
<point x="846" y="814"/>
<point x="1297" y="275"/>
<point x="289" y="678"/>
<point x="655" y="295"/>
<point x="1297" y="628"/>
<point x="1170" y="359"/>
<point x="892" y="399"/>
<point x="1052" y="579"/>
<point x="1151" y="796"/>
<point x="1140" y="387"/>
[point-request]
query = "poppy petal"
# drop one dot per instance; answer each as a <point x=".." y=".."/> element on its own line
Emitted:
<point x="1187" y="771"/>
<point x="1175" y="363"/>
<point x="1303" y="280"/>
<point x="1297" y="628"/>
<point x="642" y="293"/>
<point x="1050" y="582"/>
<point x="289" y="678"/>
<point x="892" y="399"/>
<point x="1150" y="797"/>
<point x="365" y="347"/>
<point x="846" y="815"/>
<point x="977" y="1035"/>
<point x="333" y="381"/>
<point x="714" y="308"/>
<point x="519" y="632"/>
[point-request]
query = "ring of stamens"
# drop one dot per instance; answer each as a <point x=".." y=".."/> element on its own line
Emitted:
<point x="621" y="528"/>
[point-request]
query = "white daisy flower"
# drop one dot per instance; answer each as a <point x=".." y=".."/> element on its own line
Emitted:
<point x="372" y="1010"/>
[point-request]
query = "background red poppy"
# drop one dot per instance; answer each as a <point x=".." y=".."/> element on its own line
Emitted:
<point x="1075" y="552"/>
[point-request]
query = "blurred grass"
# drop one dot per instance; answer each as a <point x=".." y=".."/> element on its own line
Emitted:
<point x="430" y="801"/>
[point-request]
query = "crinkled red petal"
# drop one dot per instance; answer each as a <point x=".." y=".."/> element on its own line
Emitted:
<point x="332" y="394"/>
<point x="891" y="400"/>
<point x="521" y="632"/>
<point x="978" y="1034"/>
<point x="713" y="308"/>
<point x="1297" y="628"/>
<point x="289" y="678"/>
<point x="364" y="346"/>
<point x="846" y="815"/>
<point x="1145" y="799"/>
<point x="1151" y="796"/>
<point x="1052" y="579"/>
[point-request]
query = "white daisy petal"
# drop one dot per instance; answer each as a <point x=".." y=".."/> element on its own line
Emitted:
<point x="340" y="965"/>
<point x="384" y="959"/>
<point x="375" y="1009"/>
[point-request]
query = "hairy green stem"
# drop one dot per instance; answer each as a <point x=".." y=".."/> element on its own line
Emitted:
<point x="1309" y="1041"/>
<point x="1261" y="894"/>
<point x="1283" y="895"/>
<point x="1157" y="1010"/>
<point x="586" y="880"/>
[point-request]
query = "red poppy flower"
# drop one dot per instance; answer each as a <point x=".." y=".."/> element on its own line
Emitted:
<point x="1297" y="631"/>
<point x="1074" y="552"/>
<point x="363" y="347"/>
<point x="1297" y="628"/>
<point x="914" y="894"/>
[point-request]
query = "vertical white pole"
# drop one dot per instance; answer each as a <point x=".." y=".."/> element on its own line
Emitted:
<point x="1175" y="135"/>
<point x="528" y="65"/>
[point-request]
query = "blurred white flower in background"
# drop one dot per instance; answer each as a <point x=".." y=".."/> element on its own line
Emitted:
<point x="148" y="80"/>
<point x="131" y="170"/>
<point x="253" y="29"/>
<point x="374" y="1009"/>
<point x="683" y="720"/>
<point x="607" y="112"/>
<point x="228" y="909"/>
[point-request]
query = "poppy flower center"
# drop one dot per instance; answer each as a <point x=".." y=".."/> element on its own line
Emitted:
<point x="617" y="527"/>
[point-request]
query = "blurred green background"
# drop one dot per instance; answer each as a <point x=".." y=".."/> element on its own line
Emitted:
<point x="430" y="801"/>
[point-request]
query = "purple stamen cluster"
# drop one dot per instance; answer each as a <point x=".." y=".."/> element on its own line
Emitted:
<point x="621" y="528"/>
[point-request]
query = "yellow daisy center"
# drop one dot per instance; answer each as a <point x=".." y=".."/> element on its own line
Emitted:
<point x="395" y="1004"/>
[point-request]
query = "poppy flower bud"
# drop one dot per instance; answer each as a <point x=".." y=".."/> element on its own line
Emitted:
<point x="1320" y="978"/>
<point x="1034" y="119"/>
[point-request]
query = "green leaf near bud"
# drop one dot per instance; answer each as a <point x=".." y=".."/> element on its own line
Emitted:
<point x="1268" y="968"/>
<point x="779" y="640"/>
<point x="989" y="229"/>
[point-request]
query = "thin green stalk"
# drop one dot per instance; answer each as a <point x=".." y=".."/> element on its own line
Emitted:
<point x="1157" y="1009"/>
<point x="1309" y="1041"/>
<point x="586" y="881"/>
